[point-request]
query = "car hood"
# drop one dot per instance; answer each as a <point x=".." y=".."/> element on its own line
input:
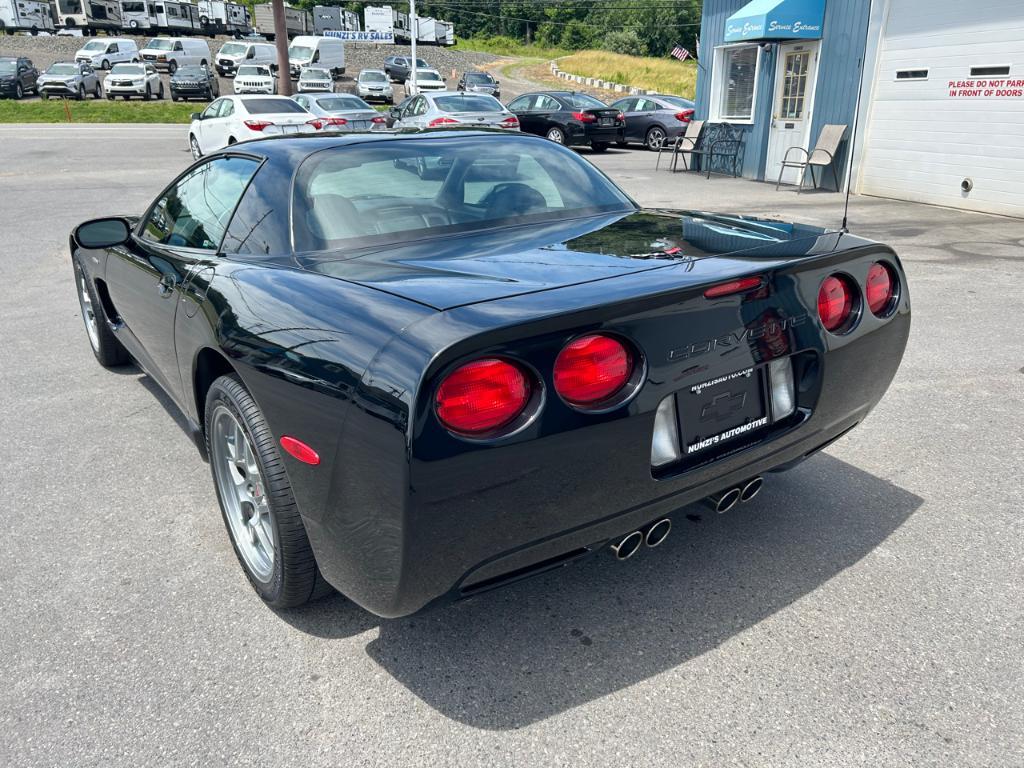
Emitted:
<point x="454" y="270"/>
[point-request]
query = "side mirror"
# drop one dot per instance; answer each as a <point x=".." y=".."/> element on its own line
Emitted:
<point x="394" y="112"/>
<point x="103" y="233"/>
<point x="196" y="116"/>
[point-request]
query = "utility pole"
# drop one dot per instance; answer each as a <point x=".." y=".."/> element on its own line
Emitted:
<point x="414" y="29"/>
<point x="284" y="75"/>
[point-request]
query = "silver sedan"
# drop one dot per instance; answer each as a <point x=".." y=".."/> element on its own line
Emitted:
<point x="452" y="109"/>
<point x="342" y="112"/>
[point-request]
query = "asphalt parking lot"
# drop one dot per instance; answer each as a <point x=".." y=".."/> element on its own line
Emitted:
<point x="867" y="608"/>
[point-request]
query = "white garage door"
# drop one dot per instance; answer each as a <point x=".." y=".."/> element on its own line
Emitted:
<point x="947" y="108"/>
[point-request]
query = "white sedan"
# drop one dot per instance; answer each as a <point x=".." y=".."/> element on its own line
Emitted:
<point x="231" y="119"/>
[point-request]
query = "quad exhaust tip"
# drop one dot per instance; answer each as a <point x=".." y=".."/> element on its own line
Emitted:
<point x="657" y="532"/>
<point x="628" y="545"/>
<point x="725" y="500"/>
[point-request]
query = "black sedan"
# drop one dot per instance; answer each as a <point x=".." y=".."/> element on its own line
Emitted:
<point x="194" y="81"/>
<point x="415" y="388"/>
<point x="569" y="118"/>
<point x="651" y="120"/>
<point x="17" y="77"/>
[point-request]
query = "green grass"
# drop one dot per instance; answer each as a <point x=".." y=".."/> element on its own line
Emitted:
<point x="507" y="46"/>
<point x="662" y="75"/>
<point x="101" y="111"/>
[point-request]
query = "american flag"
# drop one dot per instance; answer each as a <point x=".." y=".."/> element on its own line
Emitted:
<point x="680" y="53"/>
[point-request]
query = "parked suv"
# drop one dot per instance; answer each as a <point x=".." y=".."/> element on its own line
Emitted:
<point x="315" y="80"/>
<point x="17" y="77"/>
<point x="174" y="52"/>
<point x="127" y="80"/>
<point x="479" y="82"/>
<point x="373" y="84"/>
<point x="234" y="54"/>
<point x="426" y="80"/>
<point x="194" y="81"/>
<point x="397" y="67"/>
<point x="105" y="53"/>
<point x="255" y="78"/>
<point x="69" y="78"/>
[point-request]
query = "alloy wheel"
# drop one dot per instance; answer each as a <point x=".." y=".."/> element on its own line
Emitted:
<point x="88" y="312"/>
<point x="655" y="138"/>
<point x="243" y="493"/>
<point x="556" y="135"/>
<point x="193" y="143"/>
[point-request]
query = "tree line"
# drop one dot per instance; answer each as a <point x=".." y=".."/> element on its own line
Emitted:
<point x="637" y="27"/>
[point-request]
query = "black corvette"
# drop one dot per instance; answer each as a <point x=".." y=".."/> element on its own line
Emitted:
<point x="426" y="365"/>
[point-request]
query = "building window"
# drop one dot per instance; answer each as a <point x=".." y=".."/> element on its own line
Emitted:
<point x="735" y="83"/>
<point x="911" y="74"/>
<point x="1002" y="71"/>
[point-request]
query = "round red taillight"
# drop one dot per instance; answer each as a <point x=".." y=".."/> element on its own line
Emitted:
<point x="482" y="396"/>
<point x="591" y="369"/>
<point x="835" y="302"/>
<point x="880" y="288"/>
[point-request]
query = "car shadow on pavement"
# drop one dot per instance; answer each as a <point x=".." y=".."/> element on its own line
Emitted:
<point x="517" y="655"/>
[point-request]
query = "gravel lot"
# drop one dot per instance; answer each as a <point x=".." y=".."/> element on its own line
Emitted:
<point x="44" y="51"/>
<point x="866" y="609"/>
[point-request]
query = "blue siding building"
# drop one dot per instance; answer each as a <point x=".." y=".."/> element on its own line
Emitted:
<point x="779" y="70"/>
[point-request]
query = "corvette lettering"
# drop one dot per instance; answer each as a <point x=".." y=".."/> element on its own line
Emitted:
<point x="771" y="328"/>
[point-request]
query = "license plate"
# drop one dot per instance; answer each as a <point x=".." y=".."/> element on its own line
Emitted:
<point x="290" y="129"/>
<point x="723" y="409"/>
<point x="607" y="121"/>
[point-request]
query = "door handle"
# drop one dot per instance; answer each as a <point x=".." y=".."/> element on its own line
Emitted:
<point x="166" y="286"/>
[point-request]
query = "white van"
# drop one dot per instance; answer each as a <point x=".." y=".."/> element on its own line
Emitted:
<point x="234" y="54"/>
<point x="174" y="52"/>
<point x="105" y="52"/>
<point x="320" y="52"/>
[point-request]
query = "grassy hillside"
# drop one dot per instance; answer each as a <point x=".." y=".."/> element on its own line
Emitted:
<point x="101" y="111"/>
<point x="507" y="46"/>
<point x="664" y="75"/>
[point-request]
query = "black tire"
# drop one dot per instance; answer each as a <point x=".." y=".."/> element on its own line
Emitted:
<point x="149" y="93"/>
<point x="126" y="96"/>
<point x="599" y="146"/>
<point x="294" y="578"/>
<point x="80" y="96"/>
<point x="98" y="92"/>
<point x="107" y="348"/>
<point x="105" y="64"/>
<point x="19" y="92"/>
<point x="110" y="97"/>
<point x="174" y="96"/>
<point x="44" y="96"/>
<point x="621" y="143"/>
<point x="655" y="138"/>
<point x="172" y="67"/>
<point x="160" y="92"/>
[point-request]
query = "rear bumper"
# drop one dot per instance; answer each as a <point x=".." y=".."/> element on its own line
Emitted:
<point x="585" y="134"/>
<point x="449" y="522"/>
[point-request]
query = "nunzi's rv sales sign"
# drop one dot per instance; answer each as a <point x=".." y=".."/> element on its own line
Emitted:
<point x="362" y="37"/>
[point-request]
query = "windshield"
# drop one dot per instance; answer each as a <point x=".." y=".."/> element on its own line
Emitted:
<point x="300" y="52"/>
<point x="401" y="190"/>
<point x="315" y="74"/>
<point x="271" y="106"/>
<point x="192" y="70"/>
<point x="233" y="49"/>
<point x="7" y="67"/>
<point x="160" y="44"/>
<point x="59" y="69"/>
<point x="467" y="103"/>
<point x="676" y="101"/>
<point x="95" y="45"/>
<point x="421" y="64"/>
<point x="478" y="78"/>
<point x="582" y="101"/>
<point x="252" y="70"/>
<point x="342" y="103"/>
<point x="372" y="77"/>
<point x="428" y="75"/>
<point x="128" y="69"/>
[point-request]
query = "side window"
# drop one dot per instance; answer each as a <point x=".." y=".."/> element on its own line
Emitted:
<point x="112" y="48"/>
<point x="214" y="108"/>
<point x="251" y="54"/>
<point x="548" y="104"/>
<point x="227" y="109"/>
<point x="627" y="105"/>
<point x="260" y="224"/>
<point x="194" y="212"/>
<point x="177" y="47"/>
<point x="522" y="104"/>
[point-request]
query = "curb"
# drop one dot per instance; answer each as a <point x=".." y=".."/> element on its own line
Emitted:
<point x="595" y="82"/>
